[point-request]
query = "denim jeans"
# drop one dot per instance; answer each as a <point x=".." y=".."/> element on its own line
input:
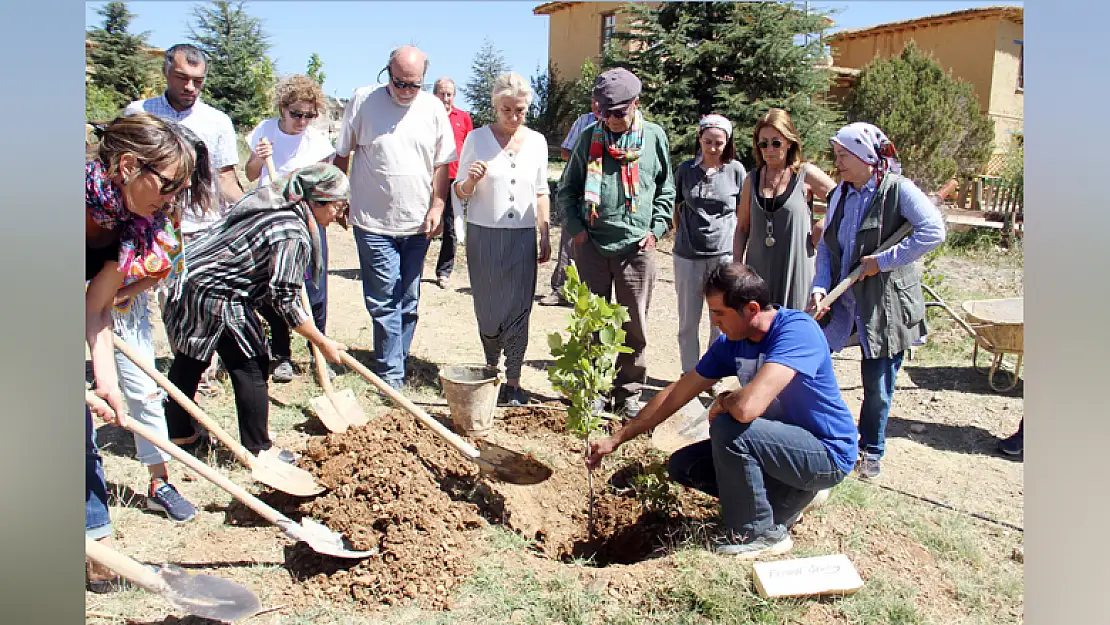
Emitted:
<point x="689" y="284"/>
<point x="764" y="472"/>
<point x="97" y="523"/>
<point x="878" y="388"/>
<point x="144" y="397"/>
<point x="391" y="268"/>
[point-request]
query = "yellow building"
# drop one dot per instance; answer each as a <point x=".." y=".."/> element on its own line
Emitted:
<point x="983" y="46"/>
<point x="578" y="31"/>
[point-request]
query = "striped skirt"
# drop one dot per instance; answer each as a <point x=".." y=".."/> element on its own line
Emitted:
<point x="502" y="266"/>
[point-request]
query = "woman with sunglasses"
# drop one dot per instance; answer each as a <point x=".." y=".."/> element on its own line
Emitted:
<point x="774" y="222"/>
<point x="258" y="256"/>
<point x="133" y="180"/>
<point x="293" y="144"/>
<point x="705" y="222"/>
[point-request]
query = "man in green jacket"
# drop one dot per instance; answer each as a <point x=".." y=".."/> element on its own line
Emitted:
<point x="617" y="193"/>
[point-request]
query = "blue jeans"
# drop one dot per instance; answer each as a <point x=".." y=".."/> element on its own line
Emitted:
<point x="97" y="523"/>
<point x="764" y="472"/>
<point x="878" y="388"/>
<point x="391" y="268"/>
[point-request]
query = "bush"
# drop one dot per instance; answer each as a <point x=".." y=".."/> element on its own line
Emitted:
<point x="101" y="104"/>
<point x="932" y="118"/>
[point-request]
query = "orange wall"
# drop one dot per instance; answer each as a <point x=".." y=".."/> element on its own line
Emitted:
<point x="574" y="34"/>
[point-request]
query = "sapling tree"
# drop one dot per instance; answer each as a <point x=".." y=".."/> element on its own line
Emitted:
<point x="586" y="361"/>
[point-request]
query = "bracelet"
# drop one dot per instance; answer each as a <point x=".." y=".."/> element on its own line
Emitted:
<point x="463" y="196"/>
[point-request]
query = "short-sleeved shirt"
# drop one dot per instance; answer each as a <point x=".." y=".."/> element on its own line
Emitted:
<point x="506" y="197"/>
<point x="290" y="151"/>
<point x="707" y="215"/>
<point x="397" y="150"/>
<point x="461" y="125"/>
<point x="811" y="400"/>
<point x="218" y="133"/>
<point x="576" y="129"/>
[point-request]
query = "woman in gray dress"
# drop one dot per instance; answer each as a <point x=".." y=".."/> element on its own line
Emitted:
<point x="774" y="209"/>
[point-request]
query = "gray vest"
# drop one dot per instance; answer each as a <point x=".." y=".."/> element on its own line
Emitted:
<point x="890" y="304"/>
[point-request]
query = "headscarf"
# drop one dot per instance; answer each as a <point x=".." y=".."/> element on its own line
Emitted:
<point x="712" y="121"/>
<point x="319" y="182"/>
<point x="625" y="148"/>
<point x="870" y="145"/>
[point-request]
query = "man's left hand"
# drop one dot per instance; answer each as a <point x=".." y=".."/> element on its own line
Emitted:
<point x="545" y="249"/>
<point x="648" y="243"/>
<point x="433" y="223"/>
<point x="869" y="266"/>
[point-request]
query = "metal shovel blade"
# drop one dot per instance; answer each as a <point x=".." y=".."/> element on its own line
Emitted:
<point x="328" y="415"/>
<point x="511" y="466"/>
<point x="349" y="408"/>
<point x="207" y="596"/>
<point x="273" y="472"/>
<point x="321" y="539"/>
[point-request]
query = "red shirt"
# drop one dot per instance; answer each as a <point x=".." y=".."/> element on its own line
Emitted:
<point x="461" y="125"/>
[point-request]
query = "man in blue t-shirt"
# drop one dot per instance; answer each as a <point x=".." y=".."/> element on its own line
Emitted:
<point x="765" y="459"/>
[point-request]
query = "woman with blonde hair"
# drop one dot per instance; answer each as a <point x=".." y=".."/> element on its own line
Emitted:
<point x="293" y="143"/>
<point x="502" y="184"/>
<point x="774" y="222"/>
<point x="134" y="179"/>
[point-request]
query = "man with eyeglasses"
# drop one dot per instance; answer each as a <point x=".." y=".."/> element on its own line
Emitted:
<point x="617" y="194"/>
<point x="402" y="144"/>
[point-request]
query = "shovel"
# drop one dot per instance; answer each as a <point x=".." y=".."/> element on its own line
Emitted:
<point x="846" y="283"/>
<point x="315" y="534"/>
<point x="337" y="411"/>
<point x="200" y="595"/>
<point x="266" y="467"/>
<point x="505" y="464"/>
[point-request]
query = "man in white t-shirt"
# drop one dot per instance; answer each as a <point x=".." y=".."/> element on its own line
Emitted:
<point x="402" y="144"/>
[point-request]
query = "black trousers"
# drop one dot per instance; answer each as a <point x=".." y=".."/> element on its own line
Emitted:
<point x="280" y="333"/>
<point x="446" y="261"/>
<point x="248" y="378"/>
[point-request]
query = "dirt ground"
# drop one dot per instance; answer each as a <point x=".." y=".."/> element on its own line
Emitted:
<point x="396" y="487"/>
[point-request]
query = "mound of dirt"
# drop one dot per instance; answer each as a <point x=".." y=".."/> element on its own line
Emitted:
<point x="532" y="419"/>
<point x="389" y="489"/>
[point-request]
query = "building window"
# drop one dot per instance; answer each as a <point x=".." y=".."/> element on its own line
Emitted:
<point x="1021" y="65"/>
<point x="608" y="27"/>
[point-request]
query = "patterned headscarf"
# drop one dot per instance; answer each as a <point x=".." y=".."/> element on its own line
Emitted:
<point x="319" y="182"/>
<point x="870" y="145"/>
<point x="625" y="148"/>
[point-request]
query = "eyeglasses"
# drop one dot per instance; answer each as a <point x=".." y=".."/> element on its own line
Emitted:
<point x="169" y="187"/>
<point x="775" y="143"/>
<point x="400" y="84"/>
<point x="298" y="115"/>
<point x="621" y="114"/>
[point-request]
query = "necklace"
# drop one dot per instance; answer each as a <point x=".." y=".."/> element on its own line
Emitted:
<point x="769" y="241"/>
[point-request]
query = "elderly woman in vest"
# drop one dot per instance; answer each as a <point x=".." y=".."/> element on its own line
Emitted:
<point x="502" y="183"/>
<point x="774" y="208"/>
<point x="257" y="257"/>
<point x="885" y="307"/>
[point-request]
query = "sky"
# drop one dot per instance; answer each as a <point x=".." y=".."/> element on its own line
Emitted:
<point x="354" y="39"/>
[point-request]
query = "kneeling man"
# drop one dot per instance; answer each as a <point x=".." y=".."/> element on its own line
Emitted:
<point x="774" y="443"/>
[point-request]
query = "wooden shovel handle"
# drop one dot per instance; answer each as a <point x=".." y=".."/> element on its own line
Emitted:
<point x="321" y="364"/>
<point x="191" y="461"/>
<point x="124" y="566"/>
<point x="844" y="284"/>
<point x="240" y="452"/>
<point x="458" y="443"/>
<point x="270" y="166"/>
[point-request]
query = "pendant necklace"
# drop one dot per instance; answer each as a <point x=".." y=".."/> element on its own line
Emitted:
<point x="769" y="214"/>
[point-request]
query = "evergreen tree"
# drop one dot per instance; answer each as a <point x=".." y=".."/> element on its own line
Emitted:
<point x="583" y="89"/>
<point x="932" y="118"/>
<point x="737" y="59"/>
<point x="240" y="74"/>
<point x="315" y="65"/>
<point x="551" y="113"/>
<point x="122" y="71"/>
<point x="488" y="64"/>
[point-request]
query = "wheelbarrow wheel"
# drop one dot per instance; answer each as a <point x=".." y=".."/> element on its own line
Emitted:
<point x="1011" y="375"/>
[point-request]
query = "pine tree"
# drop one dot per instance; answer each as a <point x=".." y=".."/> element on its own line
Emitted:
<point x="315" y="65"/>
<point x="488" y="64"/>
<point x="240" y="74"/>
<point x="933" y="119"/>
<point x="122" y="70"/>
<point x="736" y="59"/>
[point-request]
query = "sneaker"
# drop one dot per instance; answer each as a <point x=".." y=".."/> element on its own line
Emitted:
<point x="327" y="367"/>
<point x="1014" y="445"/>
<point x="167" y="499"/>
<point x="600" y="405"/>
<point x="283" y="372"/>
<point x="868" y="466"/>
<point x="818" y="500"/>
<point x="198" y="447"/>
<point x="630" y="408"/>
<point x="732" y="543"/>
<point x="553" y="299"/>
<point x="284" y="455"/>
<point x="442" y="281"/>
<point x="516" y="396"/>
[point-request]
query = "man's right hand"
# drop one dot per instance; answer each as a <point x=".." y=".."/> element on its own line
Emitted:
<point x="816" y="308"/>
<point x="600" y="449"/>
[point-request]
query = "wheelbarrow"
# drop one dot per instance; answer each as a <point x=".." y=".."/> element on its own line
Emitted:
<point x="997" y="326"/>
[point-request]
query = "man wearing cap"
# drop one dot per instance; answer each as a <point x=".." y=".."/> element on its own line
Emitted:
<point x="617" y="194"/>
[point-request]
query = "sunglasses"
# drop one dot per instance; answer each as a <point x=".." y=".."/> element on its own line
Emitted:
<point x="775" y="143"/>
<point x="169" y="187"/>
<point x="618" y="114"/>
<point x="400" y="84"/>
<point x="297" y="115"/>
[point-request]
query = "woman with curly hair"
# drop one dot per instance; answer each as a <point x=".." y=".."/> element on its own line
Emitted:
<point x="293" y="144"/>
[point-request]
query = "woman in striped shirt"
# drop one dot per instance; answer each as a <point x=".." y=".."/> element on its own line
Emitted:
<point x="257" y="257"/>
